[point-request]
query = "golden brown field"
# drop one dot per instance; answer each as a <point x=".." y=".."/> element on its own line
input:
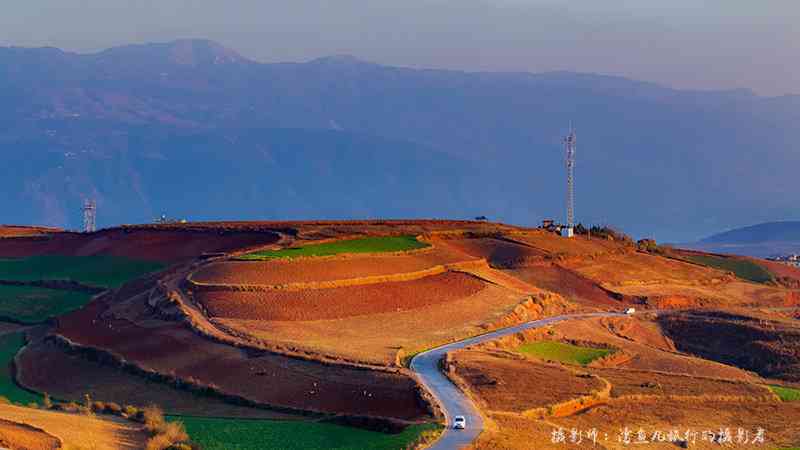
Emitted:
<point x="80" y="431"/>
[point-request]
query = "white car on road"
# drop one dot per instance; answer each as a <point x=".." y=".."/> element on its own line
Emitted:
<point x="630" y="311"/>
<point x="459" y="423"/>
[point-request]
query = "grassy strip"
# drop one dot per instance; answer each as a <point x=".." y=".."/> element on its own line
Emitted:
<point x="565" y="353"/>
<point x="253" y="434"/>
<point x="10" y="344"/>
<point x="101" y="271"/>
<point x="32" y="305"/>
<point x="786" y="394"/>
<point x="746" y="270"/>
<point x="364" y="245"/>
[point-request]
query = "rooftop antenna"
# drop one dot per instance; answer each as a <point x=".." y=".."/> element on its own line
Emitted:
<point x="89" y="216"/>
<point x="569" y="145"/>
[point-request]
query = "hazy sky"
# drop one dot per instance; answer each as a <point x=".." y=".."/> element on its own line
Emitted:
<point x="701" y="44"/>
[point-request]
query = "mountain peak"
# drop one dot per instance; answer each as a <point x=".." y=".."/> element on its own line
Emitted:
<point x="185" y="52"/>
<point x="342" y="59"/>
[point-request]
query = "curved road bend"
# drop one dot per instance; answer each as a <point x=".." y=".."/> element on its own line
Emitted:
<point x="452" y="400"/>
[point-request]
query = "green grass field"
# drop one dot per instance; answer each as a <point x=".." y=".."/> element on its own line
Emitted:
<point x="9" y="346"/>
<point x="100" y="271"/>
<point x="566" y="353"/>
<point x="786" y="394"/>
<point x="364" y="245"/>
<point x="254" y="434"/>
<point x="743" y="269"/>
<point x="32" y="305"/>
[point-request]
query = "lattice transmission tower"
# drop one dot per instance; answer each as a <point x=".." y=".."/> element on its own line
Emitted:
<point x="570" y="143"/>
<point x="89" y="216"/>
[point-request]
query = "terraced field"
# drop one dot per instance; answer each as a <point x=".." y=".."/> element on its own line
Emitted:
<point x="32" y="305"/>
<point x="743" y="268"/>
<point x="227" y="434"/>
<point x="100" y="271"/>
<point x="10" y="344"/>
<point x="287" y="270"/>
<point x="786" y="394"/>
<point x="640" y="269"/>
<point x="562" y="352"/>
<point x="362" y="245"/>
<point x="267" y="378"/>
<point x="337" y="303"/>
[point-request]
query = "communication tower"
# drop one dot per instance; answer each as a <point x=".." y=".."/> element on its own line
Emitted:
<point x="89" y="216"/>
<point x="570" y="143"/>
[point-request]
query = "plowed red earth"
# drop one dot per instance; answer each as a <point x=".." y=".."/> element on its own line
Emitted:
<point x="324" y="269"/>
<point x="336" y="303"/>
<point x="570" y="285"/>
<point x="145" y="244"/>
<point x="168" y="347"/>
<point x="12" y="231"/>
<point x="494" y="250"/>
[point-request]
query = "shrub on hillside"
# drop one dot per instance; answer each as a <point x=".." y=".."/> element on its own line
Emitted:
<point x="154" y="421"/>
<point x="113" y="408"/>
<point x="47" y="402"/>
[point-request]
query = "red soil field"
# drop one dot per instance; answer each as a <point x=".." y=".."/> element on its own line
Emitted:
<point x="323" y="269"/>
<point x="45" y="367"/>
<point x="145" y="244"/>
<point x="496" y="251"/>
<point x="570" y="285"/>
<point x="14" y="231"/>
<point x="335" y="303"/>
<point x="578" y="246"/>
<point x="171" y="348"/>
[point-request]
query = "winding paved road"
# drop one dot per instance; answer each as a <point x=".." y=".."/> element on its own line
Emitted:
<point x="452" y="400"/>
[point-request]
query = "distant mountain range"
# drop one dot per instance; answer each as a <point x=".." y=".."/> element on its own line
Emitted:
<point x="192" y="129"/>
<point x="762" y="240"/>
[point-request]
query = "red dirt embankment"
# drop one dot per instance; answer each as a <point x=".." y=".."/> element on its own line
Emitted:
<point x="336" y="303"/>
<point x="145" y="244"/>
<point x="498" y="252"/>
<point x="568" y="284"/>
<point x="129" y="330"/>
